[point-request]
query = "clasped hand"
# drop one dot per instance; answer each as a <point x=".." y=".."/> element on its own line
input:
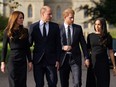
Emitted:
<point x="67" y="48"/>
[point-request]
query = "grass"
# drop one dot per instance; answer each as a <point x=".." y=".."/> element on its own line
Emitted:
<point x="1" y="51"/>
<point x="113" y="32"/>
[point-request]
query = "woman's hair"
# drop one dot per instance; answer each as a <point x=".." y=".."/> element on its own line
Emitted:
<point x="103" y="26"/>
<point x="104" y="37"/>
<point x="11" y="24"/>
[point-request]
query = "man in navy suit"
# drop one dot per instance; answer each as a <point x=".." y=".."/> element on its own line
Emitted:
<point x="72" y="38"/>
<point x="47" y="47"/>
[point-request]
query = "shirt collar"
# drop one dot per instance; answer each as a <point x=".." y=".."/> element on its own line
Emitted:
<point x="66" y="26"/>
<point x="42" y="22"/>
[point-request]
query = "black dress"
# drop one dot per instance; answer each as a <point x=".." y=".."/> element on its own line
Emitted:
<point x="98" y="74"/>
<point x="17" y="61"/>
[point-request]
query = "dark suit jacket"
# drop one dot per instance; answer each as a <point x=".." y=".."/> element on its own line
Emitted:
<point x="78" y="39"/>
<point x="51" y="47"/>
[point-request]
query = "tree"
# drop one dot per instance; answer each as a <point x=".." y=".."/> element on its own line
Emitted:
<point x="3" y="20"/>
<point x="104" y="8"/>
<point x="3" y="23"/>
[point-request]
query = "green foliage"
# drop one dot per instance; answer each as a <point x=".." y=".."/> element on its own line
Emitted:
<point x="3" y="23"/>
<point x="104" y="8"/>
<point x="8" y="52"/>
<point x="0" y="49"/>
<point x="113" y="32"/>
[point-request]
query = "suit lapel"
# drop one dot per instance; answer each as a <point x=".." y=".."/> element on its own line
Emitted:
<point x="64" y="35"/>
<point x="49" y="29"/>
<point x="38" y="28"/>
<point x="74" y="32"/>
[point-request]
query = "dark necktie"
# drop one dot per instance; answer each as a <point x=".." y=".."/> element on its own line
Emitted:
<point x="44" y="30"/>
<point x="69" y="36"/>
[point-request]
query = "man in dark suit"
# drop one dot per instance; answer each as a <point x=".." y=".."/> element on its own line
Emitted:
<point x="72" y="38"/>
<point x="47" y="47"/>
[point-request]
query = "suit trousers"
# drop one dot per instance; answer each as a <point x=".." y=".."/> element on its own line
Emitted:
<point x="65" y="72"/>
<point x="51" y="75"/>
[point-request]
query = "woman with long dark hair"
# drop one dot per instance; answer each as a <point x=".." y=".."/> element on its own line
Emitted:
<point x="17" y="37"/>
<point x="100" y="44"/>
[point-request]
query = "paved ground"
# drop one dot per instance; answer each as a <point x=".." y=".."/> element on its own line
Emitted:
<point x="30" y="81"/>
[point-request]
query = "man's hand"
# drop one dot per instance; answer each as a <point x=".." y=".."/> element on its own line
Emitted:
<point x="57" y="65"/>
<point x="87" y="63"/>
<point x="30" y="66"/>
<point x="67" y="48"/>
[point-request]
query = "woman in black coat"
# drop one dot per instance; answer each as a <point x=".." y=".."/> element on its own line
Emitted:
<point x="17" y="37"/>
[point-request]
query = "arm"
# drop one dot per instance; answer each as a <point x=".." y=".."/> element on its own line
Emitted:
<point x="111" y="54"/>
<point x="59" y="47"/>
<point x="30" y="30"/>
<point x="83" y="45"/>
<point x="29" y="55"/>
<point x="84" y="48"/>
<point x="4" y="51"/>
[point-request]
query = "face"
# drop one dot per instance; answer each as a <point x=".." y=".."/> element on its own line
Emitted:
<point x="98" y="26"/>
<point x="20" y="19"/>
<point x="69" y="19"/>
<point x="47" y="15"/>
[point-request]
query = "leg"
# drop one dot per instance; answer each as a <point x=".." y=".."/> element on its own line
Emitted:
<point x="103" y="78"/>
<point x="17" y="74"/>
<point x="51" y="76"/>
<point x="90" y="80"/>
<point x="64" y="75"/>
<point x="39" y="75"/>
<point x="76" y="74"/>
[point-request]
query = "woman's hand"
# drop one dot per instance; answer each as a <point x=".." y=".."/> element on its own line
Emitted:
<point x="57" y="65"/>
<point x="87" y="63"/>
<point x="114" y="71"/>
<point x="3" y="66"/>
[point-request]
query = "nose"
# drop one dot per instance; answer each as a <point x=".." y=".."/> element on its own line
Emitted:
<point x="51" y="15"/>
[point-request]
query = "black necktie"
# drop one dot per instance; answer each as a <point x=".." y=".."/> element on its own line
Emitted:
<point x="69" y="36"/>
<point x="44" y="30"/>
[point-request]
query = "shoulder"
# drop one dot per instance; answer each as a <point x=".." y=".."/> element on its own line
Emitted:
<point x="53" y="23"/>
<point x="26" y="29"/>
<point x="34" y="24"/>
<point x="77" y="26"/>
<point x="61" y="26"/>
<point x="90" y="35"/>
<point x="109" y="37"/>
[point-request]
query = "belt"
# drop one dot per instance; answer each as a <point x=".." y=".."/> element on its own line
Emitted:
<point x="68" y="53"/>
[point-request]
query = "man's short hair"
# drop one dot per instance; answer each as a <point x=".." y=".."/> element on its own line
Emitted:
<point x="68" y="11"/>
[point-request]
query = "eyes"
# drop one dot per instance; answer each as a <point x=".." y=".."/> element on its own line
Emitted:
<point x="98" y="24"/>
<point x="71" y="18"/>
<point x="21" y="17"/>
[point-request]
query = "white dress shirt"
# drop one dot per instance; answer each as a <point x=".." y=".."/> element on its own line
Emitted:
<point x="41" y="24"/>
<point x="66" y="30"/>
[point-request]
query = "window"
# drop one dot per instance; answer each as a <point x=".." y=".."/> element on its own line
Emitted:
<point x="85" y="25"/>
<point x="58" y="12"/>
<point x="30" y="11"/>
<point x="85" y="13"/>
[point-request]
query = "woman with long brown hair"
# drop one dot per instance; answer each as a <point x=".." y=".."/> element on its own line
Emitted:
<point x="100" y="44"/>
<point x="17" y="37"/>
